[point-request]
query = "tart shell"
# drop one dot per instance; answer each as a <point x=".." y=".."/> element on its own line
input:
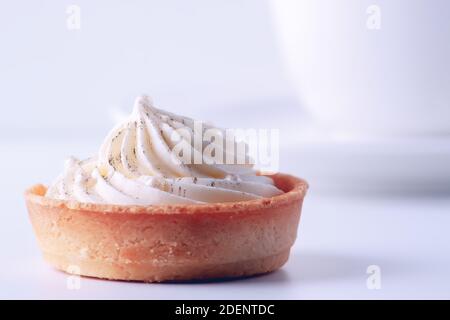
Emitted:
<point x="168" y="242"/>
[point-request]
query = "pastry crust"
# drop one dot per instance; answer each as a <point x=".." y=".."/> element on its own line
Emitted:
<point x="168" y="242"/>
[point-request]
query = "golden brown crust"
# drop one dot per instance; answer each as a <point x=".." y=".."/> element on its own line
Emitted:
<point x="168" y="242"/>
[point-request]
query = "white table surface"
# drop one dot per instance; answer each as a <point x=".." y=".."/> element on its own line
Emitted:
<point x="339" y="237"/>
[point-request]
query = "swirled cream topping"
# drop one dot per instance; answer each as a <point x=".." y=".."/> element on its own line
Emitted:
<point x="152" y="157"/>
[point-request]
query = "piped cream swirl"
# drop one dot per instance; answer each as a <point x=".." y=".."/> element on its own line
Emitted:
<point x="137" y="165"/>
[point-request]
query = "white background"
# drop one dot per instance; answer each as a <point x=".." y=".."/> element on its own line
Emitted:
<point x="378" y="202"/>
<point x="190" y="56"/>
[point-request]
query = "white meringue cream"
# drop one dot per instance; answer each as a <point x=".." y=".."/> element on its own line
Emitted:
<point x="139" y="163"/>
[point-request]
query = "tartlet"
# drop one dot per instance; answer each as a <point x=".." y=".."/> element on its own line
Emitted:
<point x="168" y="242"/>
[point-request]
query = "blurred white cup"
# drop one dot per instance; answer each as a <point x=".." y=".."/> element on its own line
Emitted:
<point x="370" y="67"/>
